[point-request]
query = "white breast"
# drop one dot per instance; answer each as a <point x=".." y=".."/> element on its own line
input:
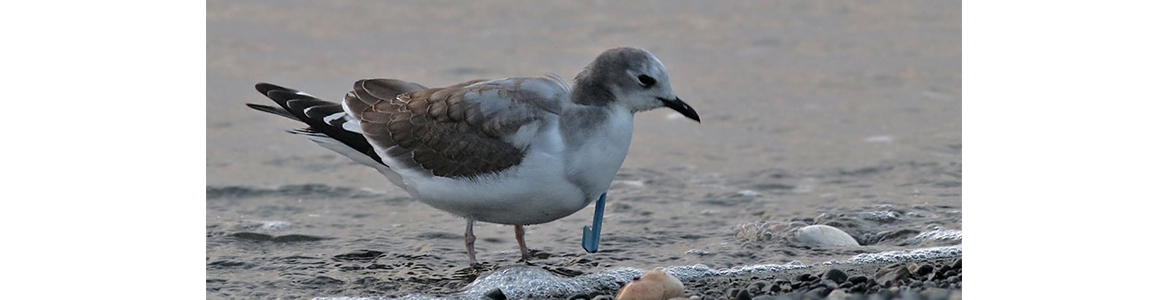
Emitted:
<point x="594" y="164"/>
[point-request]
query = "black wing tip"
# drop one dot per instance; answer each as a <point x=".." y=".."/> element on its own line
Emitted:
<point x="265" y="88"/>
<point x="272" y="110"/>
<point x="258" y="106"/>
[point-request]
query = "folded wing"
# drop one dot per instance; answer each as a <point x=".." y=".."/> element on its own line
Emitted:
<point x="464" y="130"/>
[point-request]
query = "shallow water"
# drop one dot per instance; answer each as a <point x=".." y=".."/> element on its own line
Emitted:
<point x="843" y="114"/>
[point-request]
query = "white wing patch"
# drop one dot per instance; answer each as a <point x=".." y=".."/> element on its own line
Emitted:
<point x="334" y="117"/>
<point x="349" y="123"/>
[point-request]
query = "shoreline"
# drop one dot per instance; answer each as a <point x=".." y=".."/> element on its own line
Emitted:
<point x="925" y="278"/>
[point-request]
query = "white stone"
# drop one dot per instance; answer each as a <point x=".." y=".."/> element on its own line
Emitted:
<point x="822" y="235"/>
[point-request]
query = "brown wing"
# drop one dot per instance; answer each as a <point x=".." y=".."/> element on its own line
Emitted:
<point x="462" y="130"/>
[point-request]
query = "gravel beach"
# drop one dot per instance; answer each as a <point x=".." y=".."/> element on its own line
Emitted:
<point x="828" y="164"/>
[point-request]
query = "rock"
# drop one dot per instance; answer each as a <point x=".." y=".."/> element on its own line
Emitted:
<point x="495" y="294"/>
<point x="776" y="297"/>
<point x="858" y="279"/>
<point x="936" y="294"/>
<point x="757" y="287"/>
<point x="829" y="284"/>
<point x="654" y="285"/>
<point x="923" y="270"/>
<point x="775" y="288"/>
<point x="821" y="235"/>
<point x="730" y="293"/>
<point x="817" y="293"/>
<point x="860" y="289"/>
<point x="743" y="295"/>
<point x="837" y="295"/>
<point x="835" y="275"/>
<point x="889" y="276"/>
<point x="907" y="294"/>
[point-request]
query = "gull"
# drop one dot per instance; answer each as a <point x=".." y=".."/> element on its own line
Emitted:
<point x="514" y="151"/>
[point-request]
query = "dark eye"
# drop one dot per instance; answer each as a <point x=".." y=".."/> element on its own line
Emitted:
<point x="647" y="81"/>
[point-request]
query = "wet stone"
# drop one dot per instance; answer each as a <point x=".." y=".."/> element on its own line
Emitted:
<point x="742" y="295"/>
<point x="759" y="286"/>
<point x="860" y="289"/>
<point x="837" y="295"/>
<point x="858" y="279"/>
<point x="774" y="288"/>
<point x="731" y="292"/>
<point x="495" y="294"/>
<point x="891" y="275"/>
<point x="818" y="293"/>
<point x="775" y="297"/>
<point x="835" y="275"/>
<point x="822" y="235"/>
<point x="829" y="284"/>
<point x="924" y="270"/>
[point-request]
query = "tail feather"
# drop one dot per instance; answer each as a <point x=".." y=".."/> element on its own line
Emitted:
<point x="272" y="110"/>
<point x="329" y="124"/>
<point x="325" y="119"/>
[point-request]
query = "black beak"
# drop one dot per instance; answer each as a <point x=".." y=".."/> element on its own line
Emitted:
<point x="681" y="107"/>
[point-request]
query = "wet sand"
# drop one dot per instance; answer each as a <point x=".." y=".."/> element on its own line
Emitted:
<point x="844" y="114"/>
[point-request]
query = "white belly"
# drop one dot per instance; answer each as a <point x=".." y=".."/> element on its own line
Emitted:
<point x="550" y="183"/>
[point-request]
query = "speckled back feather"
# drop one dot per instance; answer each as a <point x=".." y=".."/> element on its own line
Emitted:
<point x="456" y="131"/>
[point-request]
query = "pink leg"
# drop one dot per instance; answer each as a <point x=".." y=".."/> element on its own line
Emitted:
<point x="520" y="238"/>
<point x="469" y="240"/>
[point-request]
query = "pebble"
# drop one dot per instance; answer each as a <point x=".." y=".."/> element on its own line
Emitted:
<point x="923" y="270"/>
<point x="823" y="235"/>
<point x="835" y="275"/>
<point x="654" y="285"/>
<point x="829" y="284"/>
<point x="888" y="277"/>
<point x="495" y="294"/>
<point x="816" y="293"/>
<point x="936" y="294"/>
<point x="742" y="295"/>
<point x="931" y="280"/>
<point x="776" y="297"/>
<point x="837" y="295"/>
<point x="858" y="279"/>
